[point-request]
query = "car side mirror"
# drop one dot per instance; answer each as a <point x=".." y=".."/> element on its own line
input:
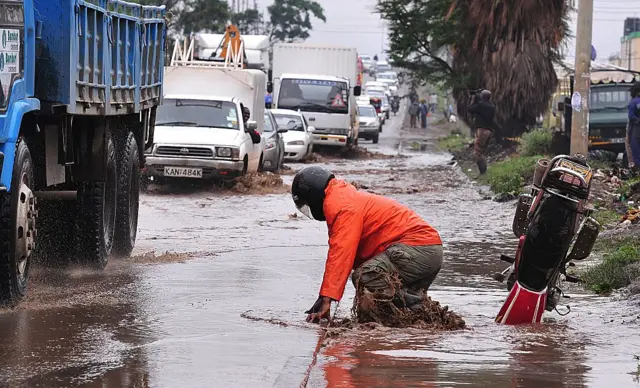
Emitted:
<point x="311" y="129"/>
<point x="282" y="130"/>
<point x="357" y="90"/>
<point x="269" y="87"/>
<point x="251" y="125"/>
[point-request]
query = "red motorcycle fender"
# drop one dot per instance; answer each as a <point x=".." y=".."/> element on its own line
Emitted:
<point x="522" y="306"/>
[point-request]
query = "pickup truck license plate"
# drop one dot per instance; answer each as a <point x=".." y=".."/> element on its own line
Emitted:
<point x="617" y="140"/>
<point x="183" y="172"/>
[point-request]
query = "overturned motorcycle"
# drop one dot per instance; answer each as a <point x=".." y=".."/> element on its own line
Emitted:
<point x="554" y="227"/>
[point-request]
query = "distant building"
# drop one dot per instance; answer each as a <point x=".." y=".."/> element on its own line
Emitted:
<point x="630" y="45"/>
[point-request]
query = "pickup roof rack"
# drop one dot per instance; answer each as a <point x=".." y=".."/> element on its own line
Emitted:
<point x="183" y="55"/>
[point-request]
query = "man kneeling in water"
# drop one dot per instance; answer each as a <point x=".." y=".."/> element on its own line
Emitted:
<point x="379" y="239"/>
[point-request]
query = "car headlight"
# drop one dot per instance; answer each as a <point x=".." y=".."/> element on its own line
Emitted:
<point x="270" y="145"/>
<point x="228" y="152"/>
<point x="296" y="142"/>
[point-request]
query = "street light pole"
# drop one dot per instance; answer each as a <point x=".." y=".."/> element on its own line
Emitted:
<point x="580" y="98"/>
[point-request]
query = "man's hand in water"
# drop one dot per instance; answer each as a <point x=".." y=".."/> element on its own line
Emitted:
<point x="320" y="310"/>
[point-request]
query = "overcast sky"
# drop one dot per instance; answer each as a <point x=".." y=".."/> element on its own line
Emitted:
<point x="354" y="23"/>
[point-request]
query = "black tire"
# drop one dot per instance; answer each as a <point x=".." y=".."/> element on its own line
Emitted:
<point x="375" y="139"/>
<point x="280" y="161"/>
<point x="96" y="215"/>
<point x="260" y="163"/>
<point x="245" y="167"/>
<point x="13" y="280"/>
<point x="128" y="197"/>
<point x="144" y="183"/>
<point x="380" y="129"/>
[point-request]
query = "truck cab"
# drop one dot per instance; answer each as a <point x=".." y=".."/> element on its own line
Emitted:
<point x="327" y="102"/>
<point x="608" y="116"/>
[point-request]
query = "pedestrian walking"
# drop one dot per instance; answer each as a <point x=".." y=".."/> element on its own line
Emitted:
<point x="433" y="102"/>
<point x="414" y="111"/>
<point x="632" y="145"/>
<point x="483" y="112"/>
<point x="424" y="111"/>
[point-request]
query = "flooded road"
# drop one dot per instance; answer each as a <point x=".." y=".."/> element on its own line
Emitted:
<point x="173" y="320"/>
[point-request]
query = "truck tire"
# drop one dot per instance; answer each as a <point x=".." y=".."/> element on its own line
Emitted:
<point x="97" y="215"/>
<point x="17" y="229"/>
<point x="128" y="197"/>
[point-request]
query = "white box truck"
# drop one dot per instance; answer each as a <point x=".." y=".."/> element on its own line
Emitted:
<point x="321" y="82"/>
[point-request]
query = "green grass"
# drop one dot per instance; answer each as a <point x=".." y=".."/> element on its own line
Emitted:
<point x="606" y="216"/>
<point x="536" y="142"/>
<point x="615" y="270"/>
<point x="510" y="175"/>
<point x="625" y="189"/>
<point x="599" y="164"/>
<point x="453" y="142"/>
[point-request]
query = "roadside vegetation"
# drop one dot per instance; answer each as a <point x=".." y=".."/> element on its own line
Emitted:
<point x="620" y="265"/>
<point x="454" y="142"/>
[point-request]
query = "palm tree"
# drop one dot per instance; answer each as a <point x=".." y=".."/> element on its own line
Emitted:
<point x="510" y="47"/>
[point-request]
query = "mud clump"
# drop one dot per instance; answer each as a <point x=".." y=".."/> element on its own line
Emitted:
<point x="355" y="153"/>
<point x="428" y="315"/>
<point x="162" y="258"/>
<point x="377" y="308"/>
<point x="364" y="154"/>
<point x="260" y="183"/>
<point x="273" y="321"/>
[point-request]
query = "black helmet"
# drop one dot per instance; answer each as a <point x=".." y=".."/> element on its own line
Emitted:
<point x="485" y="94"/>
<point x="307" y="191"/>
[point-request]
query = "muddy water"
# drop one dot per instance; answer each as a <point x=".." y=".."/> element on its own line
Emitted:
<point x="167" y="320"/>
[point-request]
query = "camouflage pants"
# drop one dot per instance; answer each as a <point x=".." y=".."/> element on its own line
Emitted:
<point x="483" y="136"/>
<point x="415" y="267"/>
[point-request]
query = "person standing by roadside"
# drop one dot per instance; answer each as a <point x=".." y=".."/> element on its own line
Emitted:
<point x="424" y="111"/>
<point x="433" y="102"/>
<point x="414" y="110"/>
<point x="632" y="145"/>
<point x="483" y="112"/>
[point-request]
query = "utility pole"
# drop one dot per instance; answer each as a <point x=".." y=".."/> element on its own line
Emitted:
<point x="580" y="98"/>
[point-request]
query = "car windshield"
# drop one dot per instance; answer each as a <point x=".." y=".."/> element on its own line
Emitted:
<point x="365" y="57"/>
<point x="366" y="111"/>
<point x="312" y="95"/>
<point x="616" y="97"/>
<point x="375" y="93"/>
<point x="291" y="122"/>
<point x="197" y="113"/>
<point x="383" y="67"/>
<point x="385" y="77"/>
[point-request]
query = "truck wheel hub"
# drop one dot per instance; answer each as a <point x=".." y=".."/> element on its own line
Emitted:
<point x="25" y="227"/>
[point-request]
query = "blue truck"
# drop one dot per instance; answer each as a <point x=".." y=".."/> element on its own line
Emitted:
<point x="80" y="84"/>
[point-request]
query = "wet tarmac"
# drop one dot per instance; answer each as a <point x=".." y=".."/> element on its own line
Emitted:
<point x="216" y="292"/>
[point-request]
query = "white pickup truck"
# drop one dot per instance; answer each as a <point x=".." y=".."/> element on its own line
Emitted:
<point x="203" y="137"/>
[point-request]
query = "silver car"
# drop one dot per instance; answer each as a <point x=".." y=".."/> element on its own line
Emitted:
<point x="274" y="144"/>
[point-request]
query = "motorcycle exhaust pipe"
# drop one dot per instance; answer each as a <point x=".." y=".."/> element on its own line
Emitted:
<point x="541" y="168"/>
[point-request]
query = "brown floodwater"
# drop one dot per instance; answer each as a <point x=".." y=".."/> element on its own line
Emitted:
<point x="216" y="293"/>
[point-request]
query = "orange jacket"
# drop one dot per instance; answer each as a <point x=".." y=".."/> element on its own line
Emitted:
<point x="362" y="225"/>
